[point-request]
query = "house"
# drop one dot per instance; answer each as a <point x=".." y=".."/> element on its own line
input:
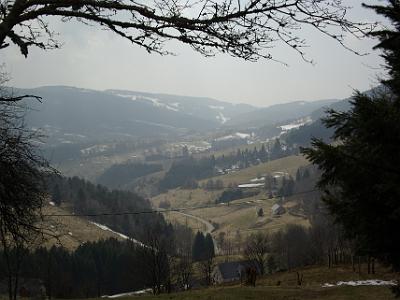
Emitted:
<point x="232" y="271"/>
<point x="277" y="210"/>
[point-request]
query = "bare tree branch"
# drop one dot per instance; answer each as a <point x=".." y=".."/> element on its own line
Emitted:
<point x="247" y="28"/>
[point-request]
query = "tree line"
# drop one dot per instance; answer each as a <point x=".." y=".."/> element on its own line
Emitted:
<point x="185" y="172"/>
<point x="84" y="197"/>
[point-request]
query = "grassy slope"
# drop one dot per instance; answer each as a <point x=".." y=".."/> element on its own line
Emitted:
<point x="71" y="231"/>
<point x="236" y="217"/>
<point x="288" y="164"/>
<point x="314" y="277"/>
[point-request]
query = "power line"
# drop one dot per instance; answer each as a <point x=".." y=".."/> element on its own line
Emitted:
<point x="181" y="209"/>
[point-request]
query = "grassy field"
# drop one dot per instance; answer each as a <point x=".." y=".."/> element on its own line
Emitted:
<point x="314" y="278"/>
<point x="71" y="231"/>
<point x="288" y="164"/>
<point x="242" y="214"/>
<point x="266" y="287"/>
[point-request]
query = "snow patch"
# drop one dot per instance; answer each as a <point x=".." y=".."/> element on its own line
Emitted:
<point x="140" y="292"/>
<point x="156" y="102"/>
<point x="222" y="118"/>
<point x="175" y="104"/>
<point x="362" y="282"/>
<point x="296" y="124"/>
<point x="216" y="107"/>
<point x="254" y="180"/>
<point x="132" y="97"/>
<point x="94" y="149"/>
<point x="250" y="185"/>
<point x="125" y="237"/>
<point x="279" y="174"/>
<point x="242" y="135"/>
<point x="237" y="135"/>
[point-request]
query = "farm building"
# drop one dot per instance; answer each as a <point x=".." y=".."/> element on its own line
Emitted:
<point x="232" y="271"/>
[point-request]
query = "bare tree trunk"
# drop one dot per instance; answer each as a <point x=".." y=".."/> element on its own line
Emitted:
<point x="373" y="265"/>
<point x="329" y="259"/>
<point x="369" y="264"/>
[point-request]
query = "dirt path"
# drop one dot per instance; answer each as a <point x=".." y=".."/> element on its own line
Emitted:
<point x="209" y="226"/>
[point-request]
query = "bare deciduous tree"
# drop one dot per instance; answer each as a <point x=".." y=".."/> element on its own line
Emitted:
<point x="257" y="248"/>
<point x="156" y="262"/>
<point x="22" y="189"/>
<point x="243" y="28"/>
<point x="183" y="262"/>
<point x="206" y="267"/>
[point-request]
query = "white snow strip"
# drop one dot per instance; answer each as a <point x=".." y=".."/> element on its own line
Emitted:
<point x="296" y="124"/>
<point x="133" y="97"/>
<point x="237" y="135"/>
<point x="216" y="107"/>
<point x="361" y="283"/>
<point x="94" y="149"/>
<point x="290" y="126"/>
<point x="158" y="103"/>
<point x="250" y="185"/>
<point x="175" y="104"/>
<point x="222" y="118"/>
<point x="125" y="237"/>
<point x="155" y="124"/>
<point x="242" y="135"/>
<point x="75" y="135"/>
<point x="140" y="292"/>
<point x="255" y="180"/>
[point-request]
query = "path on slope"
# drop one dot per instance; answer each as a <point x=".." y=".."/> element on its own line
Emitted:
<point x="209" y="226"/>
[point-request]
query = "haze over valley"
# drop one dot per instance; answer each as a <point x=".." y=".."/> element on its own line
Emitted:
<point x="195" y="149"/>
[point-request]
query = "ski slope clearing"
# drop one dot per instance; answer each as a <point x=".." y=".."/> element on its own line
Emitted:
<point x="123" y="236"/>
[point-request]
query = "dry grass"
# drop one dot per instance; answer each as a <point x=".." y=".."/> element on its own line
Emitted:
<point x="71" y="231"/>
<point x="240" y="215"/>
<point x="314" y="277"/>
<point x="288" y="164"/>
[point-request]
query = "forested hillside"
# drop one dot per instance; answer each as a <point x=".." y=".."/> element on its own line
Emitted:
<point x="113" y="208"/>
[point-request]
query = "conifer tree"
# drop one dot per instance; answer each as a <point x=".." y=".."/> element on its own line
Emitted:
<point x="360" y="173"/>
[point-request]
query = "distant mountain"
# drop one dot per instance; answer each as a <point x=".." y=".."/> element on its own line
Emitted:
<point x="80" y="112"/>
<point x="278" y="113"/>
<point x="198" y="107"/>
<point x="74" y="114"/>
<point x="303" y="134"/>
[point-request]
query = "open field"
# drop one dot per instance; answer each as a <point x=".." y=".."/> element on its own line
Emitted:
<point x="91" y="167"/>
<point x="288" y="164"/>
<point x="185" y="198"/>
<point x="232" y="150"/>
<point x="241" y="215"/>
<point x="314" y="278"/>
<point x="71" y="231"/>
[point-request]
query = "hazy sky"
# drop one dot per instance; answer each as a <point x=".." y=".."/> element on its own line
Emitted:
<point x="93" y="58"/>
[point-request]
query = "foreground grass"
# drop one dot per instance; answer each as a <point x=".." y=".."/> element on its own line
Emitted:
<point x="292" y="293"/>
<point x="314" y="277"/>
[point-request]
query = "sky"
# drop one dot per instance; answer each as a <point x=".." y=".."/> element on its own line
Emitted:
<point x="97" y="59"/>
